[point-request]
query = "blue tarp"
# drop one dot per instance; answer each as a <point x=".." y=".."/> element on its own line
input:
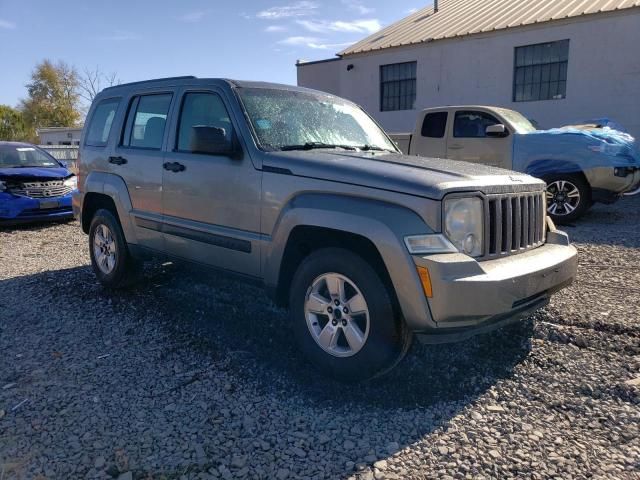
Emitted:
<point x="576" y="147"/>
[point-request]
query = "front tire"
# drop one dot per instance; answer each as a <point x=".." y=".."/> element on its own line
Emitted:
<point x="110" y="258"/>
<point x="568" y="197"/>
<point x="343" y="317"/>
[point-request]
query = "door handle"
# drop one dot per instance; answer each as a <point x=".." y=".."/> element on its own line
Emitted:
<point x="117" y="160"/>
<point x="174" y="167"/>
<point x="455" y="147"/>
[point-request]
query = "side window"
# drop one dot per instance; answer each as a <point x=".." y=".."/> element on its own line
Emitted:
<point x="202" y="114"/>
<point x="434" y="125"/>
<point x="146" y="121"/>
<point x="472" y="124"/>
<point x="101" y="121"/>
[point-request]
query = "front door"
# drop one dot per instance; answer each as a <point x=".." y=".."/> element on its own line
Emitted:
<point x="138" y="158"/>
<point x="211" y="203"/>
<point x="469" y="142"/>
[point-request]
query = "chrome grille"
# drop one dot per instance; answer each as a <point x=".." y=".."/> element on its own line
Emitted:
<point x="54" y="188"/>
<point x="515" y="223"/>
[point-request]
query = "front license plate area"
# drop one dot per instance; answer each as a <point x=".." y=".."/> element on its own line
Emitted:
<point x="48" y="204"/>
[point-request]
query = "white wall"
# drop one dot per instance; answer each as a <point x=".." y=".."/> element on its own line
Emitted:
<point x="57" y="137"/>
<point x="603" y="75"/>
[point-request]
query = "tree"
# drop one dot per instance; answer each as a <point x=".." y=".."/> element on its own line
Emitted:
<point x="91" y="82"/>
<point x="53" y="99"/>
<point x="13" y="126"/>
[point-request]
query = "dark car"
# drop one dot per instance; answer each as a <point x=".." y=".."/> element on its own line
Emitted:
<point x="34" y="186"/>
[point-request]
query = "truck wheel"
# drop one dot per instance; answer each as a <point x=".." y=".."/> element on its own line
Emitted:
<point x="110" y="256"/>
<point x="343" y="316"/>
<point x="568" y="197"/>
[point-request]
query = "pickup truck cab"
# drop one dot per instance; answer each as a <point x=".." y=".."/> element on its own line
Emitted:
<point x="303" y="193"/>
<point x="580" y="164"/>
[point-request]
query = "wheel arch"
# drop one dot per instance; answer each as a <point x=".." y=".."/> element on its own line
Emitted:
<point x="104" y="190"/>
<point x="545" y="167"/>
<point x="370" y="228"/>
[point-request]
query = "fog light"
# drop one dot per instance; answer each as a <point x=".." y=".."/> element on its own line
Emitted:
<point x="425" y="279"/>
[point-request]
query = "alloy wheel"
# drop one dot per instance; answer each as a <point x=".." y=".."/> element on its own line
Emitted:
<point x="337" y="315"/>
<point x="563" y="197"/>
<point x="104" y="249"/>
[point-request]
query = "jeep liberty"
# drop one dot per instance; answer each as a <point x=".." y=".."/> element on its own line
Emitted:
<point x="303" y="192"/>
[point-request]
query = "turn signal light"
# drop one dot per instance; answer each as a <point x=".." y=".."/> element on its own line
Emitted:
<point x="425" y="279"/>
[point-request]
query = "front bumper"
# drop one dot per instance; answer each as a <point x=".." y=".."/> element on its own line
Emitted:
<point x="469" y="295"/>
<point x="17" y="209"/>
<point x="607" y="186"/>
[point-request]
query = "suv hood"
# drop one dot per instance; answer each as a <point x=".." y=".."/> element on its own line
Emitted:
<point x="426" y="177"/>
<point x="34" y="174"/>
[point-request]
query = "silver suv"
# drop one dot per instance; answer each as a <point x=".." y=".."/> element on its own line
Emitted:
<point x="303" y="192"/>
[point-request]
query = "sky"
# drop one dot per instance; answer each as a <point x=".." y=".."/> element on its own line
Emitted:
<point x="143" y="39"/>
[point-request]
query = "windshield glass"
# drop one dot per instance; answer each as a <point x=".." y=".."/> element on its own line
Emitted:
<point x="290" y="120"/>
<point x="519" y="121"/>
<point x="22" y="156"/>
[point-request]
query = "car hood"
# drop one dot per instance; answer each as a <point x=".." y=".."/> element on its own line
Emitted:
<point x="34" y="174"/>
<point x="427" y="177"/>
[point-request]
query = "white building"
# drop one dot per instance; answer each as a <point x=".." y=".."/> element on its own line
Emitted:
<point x="59" y="135"/>
<point x="556" y="61"/>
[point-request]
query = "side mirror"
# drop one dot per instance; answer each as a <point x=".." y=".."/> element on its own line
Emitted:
<point x="211" y="141"/>
<point x="497" y="131"/>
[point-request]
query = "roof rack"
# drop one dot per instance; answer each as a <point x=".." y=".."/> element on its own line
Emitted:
<point x="184" y="77"/>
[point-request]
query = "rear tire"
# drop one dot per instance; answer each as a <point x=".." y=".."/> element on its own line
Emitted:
<point x="349" y="332"/>
<point x="568" y="197"/>
<point x="110" y="258"/>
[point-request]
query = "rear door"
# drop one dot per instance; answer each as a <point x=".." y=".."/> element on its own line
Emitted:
<point x="469" y="142"/>
<point x="138" y="159"/>
<point x="429" y="138"/>
<point x="211" y="203"/>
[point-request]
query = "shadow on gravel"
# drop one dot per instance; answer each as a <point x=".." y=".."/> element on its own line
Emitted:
<point x="217" y="314"/>
<point x="225" y="320"/>
<point x="241" y="320"/>
<point x="616" y="224"/>
<point x="35" y="227"/>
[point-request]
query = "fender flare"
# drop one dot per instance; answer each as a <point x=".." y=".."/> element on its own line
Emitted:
<point x="114" y="187"/>
<point x="384" y="224"/>
<point x="542" y="167"/>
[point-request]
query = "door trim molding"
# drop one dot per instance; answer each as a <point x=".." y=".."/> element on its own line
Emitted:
<point x="214" y="239"/>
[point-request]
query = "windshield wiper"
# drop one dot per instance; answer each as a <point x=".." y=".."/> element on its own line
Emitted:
<point x="368" y="148"/>
<point x="315" y="145"/>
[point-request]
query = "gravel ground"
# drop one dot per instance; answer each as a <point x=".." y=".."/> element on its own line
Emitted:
<point x="193" y="376"/>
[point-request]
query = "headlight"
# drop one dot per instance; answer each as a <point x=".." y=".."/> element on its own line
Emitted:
<point x="3" y="186"/>
<point x="464" y="224"/>
<point x="71" y="182"/>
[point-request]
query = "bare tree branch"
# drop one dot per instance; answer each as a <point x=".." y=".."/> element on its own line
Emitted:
<point x="93" y="81"/>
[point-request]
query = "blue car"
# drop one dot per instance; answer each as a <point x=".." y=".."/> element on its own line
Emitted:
<point x="34" y="186"/>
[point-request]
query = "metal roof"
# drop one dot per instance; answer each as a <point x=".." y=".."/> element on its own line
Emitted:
<point x="458" y="18"/>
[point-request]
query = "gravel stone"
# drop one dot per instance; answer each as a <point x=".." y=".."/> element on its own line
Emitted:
<point x="192" y="375"/>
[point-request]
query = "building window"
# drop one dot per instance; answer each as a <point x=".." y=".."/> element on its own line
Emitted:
<point x="398" y="86"/>
<point x="540" y="72"/>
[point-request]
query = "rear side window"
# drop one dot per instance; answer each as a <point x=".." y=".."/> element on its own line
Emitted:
<point x="201" y="110"/>
<point x="472" y="124"/>
<point x="434" y="125"/>
<point x="101" y="122"/>
<point x="146" y="121"/>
